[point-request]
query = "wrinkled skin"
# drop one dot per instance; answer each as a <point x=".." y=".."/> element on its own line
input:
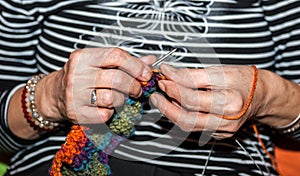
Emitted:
<point x="111" y="71"/>
<point x="199" y="97"/>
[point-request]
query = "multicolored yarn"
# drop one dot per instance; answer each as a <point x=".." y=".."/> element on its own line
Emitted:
<point x="86" y="152"/>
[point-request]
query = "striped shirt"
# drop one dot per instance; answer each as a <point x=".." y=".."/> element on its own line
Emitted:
<point x="38" y="36"/>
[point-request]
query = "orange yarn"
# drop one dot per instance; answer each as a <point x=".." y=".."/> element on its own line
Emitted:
<point x="245" y="108"/>
<point x="263" y="146"/>
<point x="70" y="149"/>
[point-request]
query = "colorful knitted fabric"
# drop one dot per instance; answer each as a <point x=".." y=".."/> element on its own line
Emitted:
<point x="85" y="151"/>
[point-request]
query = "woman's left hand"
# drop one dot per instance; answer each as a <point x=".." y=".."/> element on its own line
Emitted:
<point x="200" y="98"/>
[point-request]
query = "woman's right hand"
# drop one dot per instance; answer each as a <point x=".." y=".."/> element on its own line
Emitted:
<point x="112" y="72"/>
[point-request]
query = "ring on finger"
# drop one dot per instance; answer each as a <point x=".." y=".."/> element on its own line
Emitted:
<point x="93" y="97"/>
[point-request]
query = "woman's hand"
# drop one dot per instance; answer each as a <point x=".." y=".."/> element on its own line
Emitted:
<point x="199" y="97"/>
<point x="112" y="72"/>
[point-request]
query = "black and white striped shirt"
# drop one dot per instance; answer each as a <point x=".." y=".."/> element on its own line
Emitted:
<point x="38" y="36"/>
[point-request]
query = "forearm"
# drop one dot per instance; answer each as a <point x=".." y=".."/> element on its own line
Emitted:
<point x="9" y="142"/>
<point x="17" y="123"/>
<point x="280" y="99"/>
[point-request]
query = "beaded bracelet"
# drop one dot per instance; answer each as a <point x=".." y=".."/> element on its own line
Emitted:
<point x="293" y="126"/>
<point x="29" y="107"/>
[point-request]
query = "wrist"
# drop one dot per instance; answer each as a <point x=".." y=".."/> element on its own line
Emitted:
<point x="291" y="127"/>
<point x="47" y="97"/>
<point x="279" y="100"/>
<point x="29" y="106"/>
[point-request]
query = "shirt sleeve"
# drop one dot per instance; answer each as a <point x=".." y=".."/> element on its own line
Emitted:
<point x="284" y="24"/>
<point x="20" y="26"/>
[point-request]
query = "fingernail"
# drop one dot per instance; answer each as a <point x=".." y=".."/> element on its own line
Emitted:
<point x="161" y="86"/>
<point x="146" y="73"/>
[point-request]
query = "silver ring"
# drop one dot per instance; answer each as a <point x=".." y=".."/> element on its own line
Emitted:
<point x="93" y="97"/>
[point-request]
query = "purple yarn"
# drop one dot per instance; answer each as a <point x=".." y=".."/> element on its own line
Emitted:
<point x="102" y="157"/>
<point x="80" y="161"/>
<point x="114" y="142"/>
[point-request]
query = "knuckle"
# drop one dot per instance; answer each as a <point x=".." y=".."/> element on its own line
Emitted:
<point x="106" y="99"/>
<point x="191" y="102"/>
<point x="232" y="102"/>
<point x="235" y="107"/>
<point x="116" y="51"/>
<point x="135" y="88"/>
<point x="105" y="115"/>
<point x="75" y="55"/>
<point x="139" y="69"/>
<point x="116" y="78"/>
<point x="115" y="54"/>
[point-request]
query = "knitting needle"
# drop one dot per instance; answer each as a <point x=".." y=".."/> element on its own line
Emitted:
<point x="163" y="58"/>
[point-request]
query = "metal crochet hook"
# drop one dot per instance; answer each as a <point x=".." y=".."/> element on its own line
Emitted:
<point x="163" y="58"/>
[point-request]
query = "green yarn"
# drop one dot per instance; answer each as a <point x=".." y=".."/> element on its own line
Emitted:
<point x="96" y="138"/>
<point x="93" y="159"/>
<point x="97" y="168"/>
<point x="66" y="171"/>
<point x="122" y="123"/>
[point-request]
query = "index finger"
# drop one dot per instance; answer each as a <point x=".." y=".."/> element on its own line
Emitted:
<point x="115" y="58"/>
<point x="186" y="120"/>
<point x="195" y="78"/>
